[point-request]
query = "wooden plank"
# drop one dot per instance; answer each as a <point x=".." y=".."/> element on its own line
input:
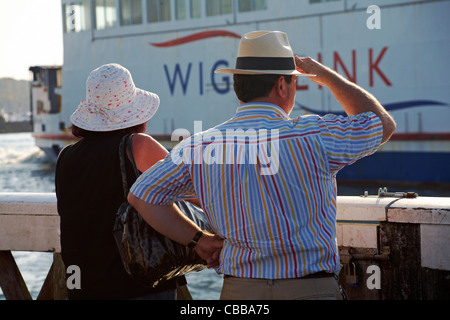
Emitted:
<point x="29" y="233"/>
<point x="29" y="222"/>
<point x="11" y="280"/>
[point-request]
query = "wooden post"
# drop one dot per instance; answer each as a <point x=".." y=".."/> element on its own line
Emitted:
<point x="46" y="292"/>
<point x="11" y="280"/>
<point x="59" y="278"/>
<point x="54" y="287"/>
<point x="183" y="293"/>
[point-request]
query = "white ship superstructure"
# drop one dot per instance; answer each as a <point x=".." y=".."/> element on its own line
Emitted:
<point x="397" y="49"/>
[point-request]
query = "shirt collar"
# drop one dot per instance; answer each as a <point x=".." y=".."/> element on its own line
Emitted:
<point x="261" y="108"/>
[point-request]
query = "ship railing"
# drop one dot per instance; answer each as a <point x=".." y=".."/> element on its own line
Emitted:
<point x="403" y="235"/>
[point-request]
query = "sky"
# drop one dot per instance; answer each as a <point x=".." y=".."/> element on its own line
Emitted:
<point x="30" y="34"/>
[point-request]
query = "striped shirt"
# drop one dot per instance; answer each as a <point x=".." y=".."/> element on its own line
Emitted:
<point x="267" y="184"/>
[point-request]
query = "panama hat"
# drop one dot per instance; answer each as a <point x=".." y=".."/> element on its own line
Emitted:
<point x="113" y="102"/>
<point x="265" y="52"/>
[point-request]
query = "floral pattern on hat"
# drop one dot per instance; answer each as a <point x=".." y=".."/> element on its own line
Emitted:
<point x="113" y="102"/>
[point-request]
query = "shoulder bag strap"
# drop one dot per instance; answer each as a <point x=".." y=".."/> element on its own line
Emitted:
<point x="123" y="170"/>
<point x="130" y="153"/>
<point x="126" y="143"/>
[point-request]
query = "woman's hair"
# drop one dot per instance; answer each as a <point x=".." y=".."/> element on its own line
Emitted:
<point x="250" y="87"/>
<point x="82" y="133"/>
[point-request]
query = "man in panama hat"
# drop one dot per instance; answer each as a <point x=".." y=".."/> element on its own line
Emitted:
<point x="267" y="182"/>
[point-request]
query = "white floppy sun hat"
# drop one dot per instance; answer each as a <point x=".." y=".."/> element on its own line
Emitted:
<point x="113" y="102"/>
<point x="265" y="52"/>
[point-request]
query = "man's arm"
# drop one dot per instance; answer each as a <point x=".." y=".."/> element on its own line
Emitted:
<point x="172" y="223"/>
<point x="354" y="99"/>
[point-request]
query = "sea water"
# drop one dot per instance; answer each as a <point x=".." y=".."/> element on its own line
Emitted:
<point x="25" y="168"/>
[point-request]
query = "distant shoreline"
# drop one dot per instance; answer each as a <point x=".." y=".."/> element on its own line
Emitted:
<point x="15" y="127"/>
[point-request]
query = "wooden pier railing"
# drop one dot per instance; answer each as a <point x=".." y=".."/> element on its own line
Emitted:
<point x="407" y="240"/>
<point x="30" y="222"/>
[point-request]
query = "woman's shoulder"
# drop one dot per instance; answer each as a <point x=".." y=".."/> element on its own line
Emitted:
<point x="147" y="151"/>
<point x="142" y="140"/>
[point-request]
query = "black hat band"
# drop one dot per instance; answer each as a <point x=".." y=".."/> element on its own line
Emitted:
<point x="262" y="63"/>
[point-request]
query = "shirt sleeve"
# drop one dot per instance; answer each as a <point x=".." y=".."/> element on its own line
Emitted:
<point x="166" y="182"/>
<point x="348" y="139"/>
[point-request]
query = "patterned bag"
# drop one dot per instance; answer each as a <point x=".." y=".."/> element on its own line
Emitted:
<point x="148" y="256"/>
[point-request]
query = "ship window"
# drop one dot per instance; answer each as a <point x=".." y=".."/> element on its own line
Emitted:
<point x="77" y="16"/>
<point x="158" y="10"/>
<point x="180" y="12"/>
<point x="196" y="9"/>
<point x="130" y="12"/>
<point x="218" y="7"/>
<point x="252" y="5"/>
<point x="105" y="14"/>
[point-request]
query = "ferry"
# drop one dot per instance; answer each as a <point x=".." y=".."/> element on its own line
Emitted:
<point x="396" y="49"/>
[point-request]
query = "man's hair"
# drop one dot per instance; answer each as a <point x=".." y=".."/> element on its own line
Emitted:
<point x="250" y="87"/>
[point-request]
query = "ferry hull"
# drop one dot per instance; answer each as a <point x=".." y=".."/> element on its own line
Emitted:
<point x="400" y="167"/>
<point x="53" y="144"/>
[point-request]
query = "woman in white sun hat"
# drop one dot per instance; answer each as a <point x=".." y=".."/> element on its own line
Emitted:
<point x="89" y="186"/>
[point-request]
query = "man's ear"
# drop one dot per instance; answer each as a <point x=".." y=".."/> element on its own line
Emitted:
<point x="281" y="87"/>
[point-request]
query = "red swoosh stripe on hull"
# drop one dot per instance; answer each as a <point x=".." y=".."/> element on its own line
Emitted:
<point x="196" y="37"/>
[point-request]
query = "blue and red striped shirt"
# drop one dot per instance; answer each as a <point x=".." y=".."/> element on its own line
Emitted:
<point x="267" y="184"/>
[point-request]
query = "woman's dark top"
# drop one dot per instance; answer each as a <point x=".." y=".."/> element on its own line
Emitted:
<point x="89" y="192"/>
